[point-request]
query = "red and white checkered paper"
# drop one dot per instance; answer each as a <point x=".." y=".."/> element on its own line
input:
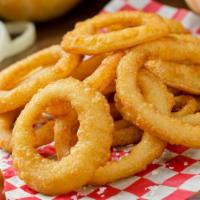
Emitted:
<point x="175" y="176"/>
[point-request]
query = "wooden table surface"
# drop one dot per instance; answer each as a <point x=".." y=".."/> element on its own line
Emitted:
<point x="51" y="32"/>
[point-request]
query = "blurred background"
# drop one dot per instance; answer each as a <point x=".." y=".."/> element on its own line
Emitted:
<point x="51" y="32"/>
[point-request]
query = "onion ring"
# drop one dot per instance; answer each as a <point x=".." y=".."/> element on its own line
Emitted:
<point x="44" y="134"/>
<point x="100" y="79"/>
<point x="105" y="74"/>
<point x="85" y="39"/>
<point x="125" y="136"/>
<point x="87" y="67"/>
<point x="6" y="125"/>
<point x="193" y="119"/>
<point x="58" y="177"/>
<point x="188" y="103"/>
<point x="65" y="136"/>
<point x="149" y="146"/>
<point x="23" y="92"/>
<point x="180" y="76"/>
<point x="176" y="27"/>
<point x="125" y="133"/>
<point x="145" y="116"/>
<point x="152" y="96"/>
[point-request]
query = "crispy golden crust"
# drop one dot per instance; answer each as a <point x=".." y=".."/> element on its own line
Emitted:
<point x="102" y="77"/>
<point x="180" y="76"/>
<point x="86" y="39"/>
<point x="105" y="74"/>
<point x="43" y="135"/>
<point x="124" y="134"/>
<point x="193" y="119"/>
<point x="149" y="147"/>
<point x="6" y="125"/>
<point x="87" y="67"/>
<point x="65" y="133"/>
<point x="167" y="128"/>
<point x="55" y="63"/>
<point x="159" y="91"/>
<point x="94" y="138"/>
<point x="84" y="130"/>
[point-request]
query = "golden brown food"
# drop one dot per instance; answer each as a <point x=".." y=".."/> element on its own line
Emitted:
<point x="43" y="134"/>
<point x="177" y="75"/>
<point x="149" y="146"/>
<point x="57" y="177"/>
<point x="65" y="133"/>
<point x="142" y="27"/>
<point x="142" y="77"/>
<point x="143" y="114"/>
<point x="33" y="73"/>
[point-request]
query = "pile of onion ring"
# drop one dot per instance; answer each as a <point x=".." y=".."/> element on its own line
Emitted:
<point x="139" y="86"/>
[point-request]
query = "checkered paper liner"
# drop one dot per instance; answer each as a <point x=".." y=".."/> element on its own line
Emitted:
<point x="175" y="176"/>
